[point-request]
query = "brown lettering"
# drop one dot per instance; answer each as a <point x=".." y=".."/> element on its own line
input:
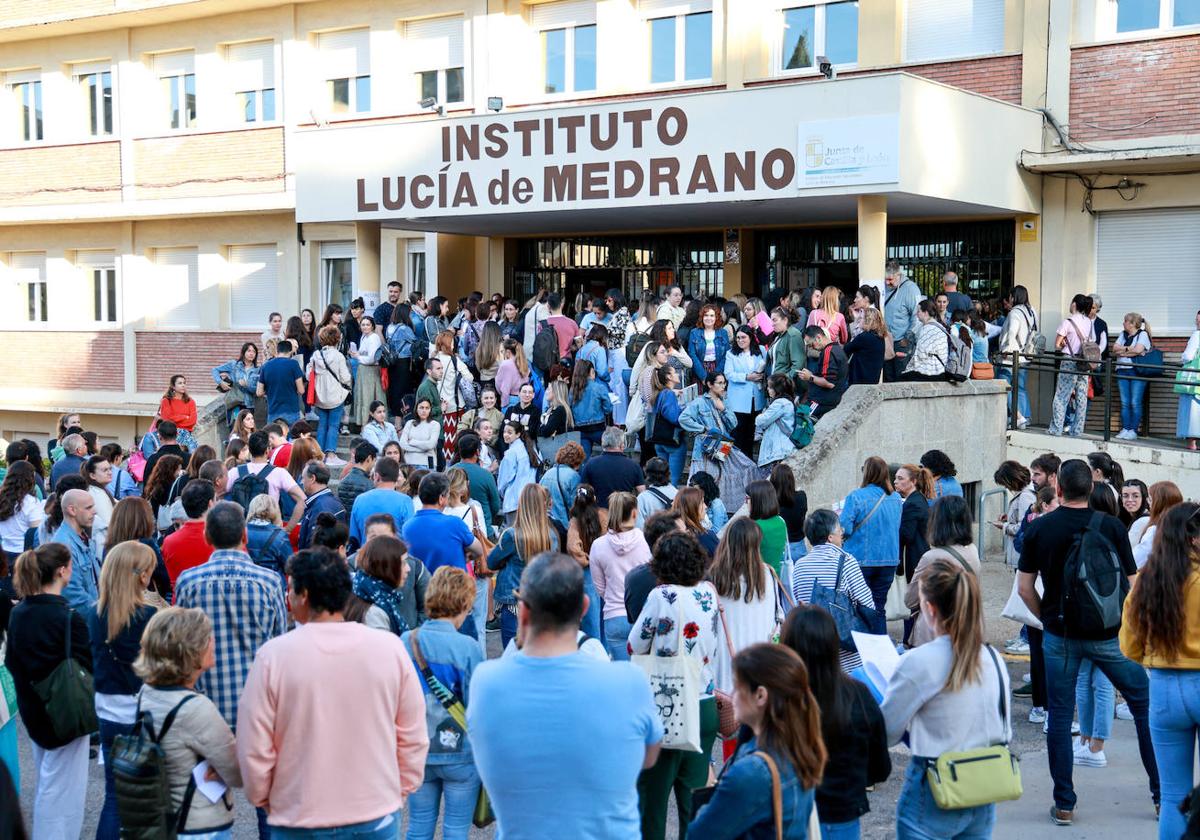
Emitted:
<point x="393" y="199"/>
<point x="526" y="128"/>
<point x="740" y="170"/>
<point x="679" y="118"/>
<point x="571" y="125"/>
<point x="548" y="135"/>
<point x="637" y="119"/>
<point x="784" y="157"/>
<point x="595" y="181"/>
<point x="419" y="201"/>
<point x="445" y="144"/>
<point x="494" y="134"/>
<point x="498" y="189"/>
<point x="365" y="206"/>
<point x="608" y="142"/>
<point x="441" y="192"/>
<point x="664" y="172"/>
<point x="466" y="139"/>
<point x="702" y="177"/>
<point x="464" y="193"/>
<point x="622" y="189"/>
<point x="559" y="183"/>
<point x="522" y="190"/>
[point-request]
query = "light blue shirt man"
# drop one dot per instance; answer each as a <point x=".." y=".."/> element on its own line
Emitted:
<point x="83" y="590"/>
<point x="900" y="301"/>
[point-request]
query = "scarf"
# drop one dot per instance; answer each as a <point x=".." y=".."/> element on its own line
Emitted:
<point x="383" y="596"/>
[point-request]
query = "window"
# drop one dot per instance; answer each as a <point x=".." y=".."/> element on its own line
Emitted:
<point x="28" y="273"/>
<point x="99" y="270"/>
<point x="346" y="64"/>
<point x="255" y="288"/>
<point x="568" y="45"/>
<point x="1138" y="15"/>
<point x="941" y="29"/>
<point x="95" y="84"/>
<point x="174" y="293"/>
<point x="1147" y="262"/>
<point x="27" y="97"/>
<point x="416" y="265"/>
<point x="828" y="29"/>
<point x="252" y="74"/>
<point x="178" y="84"/>
<point x="337" y="273"/>
<point x="680" y="43"/>
<point x="436" y="57"/>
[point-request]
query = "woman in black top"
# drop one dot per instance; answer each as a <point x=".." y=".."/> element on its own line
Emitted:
<point x="852" y="725"/>
<point x="525" y="412"/>
<point x="37" y="644"/>
<point x="865" y="350"/>
<point x="793" y="508"/>
<point x="915" y="486"/>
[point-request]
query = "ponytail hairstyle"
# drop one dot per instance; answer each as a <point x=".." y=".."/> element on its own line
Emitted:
<point x="585" y="513"/>
<point x="954" y="593"/>
<point x="523" y="440"/>
<point x="791" y="724"/>
<point x="35" y="569"/>
<point x="330" y="532"/>
<point x="1156" y="605"/>
<point x="1139" y="323"/>
<point x="921" y="477"/>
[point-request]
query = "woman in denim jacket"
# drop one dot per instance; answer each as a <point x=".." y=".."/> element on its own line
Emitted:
<point x="239" y="378"/>
<point x="591" y="408"/>
<point x="707" y="343"/>
<point x="530" y="536"/>
<point x="775" y="424"/>
<point x="709" y="414"/>
<point x="871" y="519"/>
<point x="771" y="697"/>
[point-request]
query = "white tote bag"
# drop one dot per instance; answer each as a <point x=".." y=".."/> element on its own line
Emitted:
<point x="1016" y="610"/>
<point x="896" y="609"/>
<point x="675" y="682"/>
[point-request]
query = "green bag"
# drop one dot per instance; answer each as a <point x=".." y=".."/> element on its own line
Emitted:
<point x="803" y="427"/>
<point x="69" y="696"/>
<point x="1187" y="381"/>
<point x="976" y="777"/>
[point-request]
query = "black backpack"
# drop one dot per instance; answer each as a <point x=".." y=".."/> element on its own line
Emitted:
<point x="1094" y="584"/>
<point x="545" y="348"/>
<point x="249" y="485"/>
<point x="634" y="348"/>
<point x="143" y="790"/>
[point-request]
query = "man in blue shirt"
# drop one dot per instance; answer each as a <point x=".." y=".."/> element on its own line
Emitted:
<point x="612" y="471"/>
<point x="957" y="299"/>
<point x="900" y="312"/>
<point x="432" y="536"/>
<point x="281" y="381"/>
<point x="385" y="498"/>
<point x="79" y="511"/>
<point x="74" y="454"/>
<point x="315" y="482"/>
<point x="552" y="766"/>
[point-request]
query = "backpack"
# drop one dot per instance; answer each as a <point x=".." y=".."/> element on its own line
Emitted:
<point x="803" y="427"/>
<point x="1094" y="585"/>
<point x="248" y="485"/>
<point x="143" y="790"/>
<point x="545" y="348"/>
<point x="1088" y="357"/>
<point x="634" y="348"/>
<point x="958" y="357"/>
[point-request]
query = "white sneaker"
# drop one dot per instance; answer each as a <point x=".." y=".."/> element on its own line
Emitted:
<point x="1132" y="435"/>
<point x="1074" y="727"/>
<point x="332" y="460"/>
<point x="1084" y="757"/>
<point x="1020" y="648"/>
<point x="1037" y="715"/>
<point x="1123" y="712"/>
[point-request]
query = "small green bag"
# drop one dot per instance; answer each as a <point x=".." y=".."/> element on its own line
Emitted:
<point x="976" y="777"/>
<point x="1187" y="381"/>
<point x="69" y="696"/>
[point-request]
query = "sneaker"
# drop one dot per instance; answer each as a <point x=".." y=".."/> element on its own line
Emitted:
<point x="1021" y="648"/>
<point x="1121" y="435"/>
<point x="1084" y="757"/>
<point x="1060" y="817"/>
<point x="1074" y="727"/>
<point x="493" y="625"/>
<point x="1123" y="712"/>
<point x="1013" y="641"/>
<point x="1132" y="435"/>
<point x="1037" y="715"/>
<point x="1023" y="690"/>
<point x="332" y="460"/>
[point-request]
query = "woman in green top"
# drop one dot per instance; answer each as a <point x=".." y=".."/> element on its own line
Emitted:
<point x="764" y="510"/>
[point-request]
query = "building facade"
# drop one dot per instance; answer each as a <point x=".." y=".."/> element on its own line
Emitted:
<point x="171" y="171"/>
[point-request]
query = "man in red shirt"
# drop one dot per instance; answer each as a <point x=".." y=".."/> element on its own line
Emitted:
<point x="566" y="329"/>
<point x="281" y="447"/>
<point x="187" y="547"/>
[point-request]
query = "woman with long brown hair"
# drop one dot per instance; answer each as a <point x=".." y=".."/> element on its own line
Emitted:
<point x="772" y="698"/>
<point x="158" y="486"/>
<point x="1164" y="495"/>
<point x="19" y="509"/>
<point x="133" y="521"/>
<point x="871" y="520"/>
<point x="747" y="598"/>
<point x="1160" y="630"/>
<point x="177" y="405"/>
<point x="947" y="695"/>
<point x="689" y="504"/>
<point x="588" y="521"/>
<point x="530" y="535"/>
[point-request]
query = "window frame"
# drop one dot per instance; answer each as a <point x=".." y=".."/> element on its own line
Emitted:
<point x="94" y="100"/>
<point x="114" y="317"/>
<point x="569" y="59"/>
<point x="36" y="293"/>
<point x="237" y="87"/>
<point x="18" y="90"/>
<point x="1107" y="14"/>
<point x="175" y="84"/>
<point x="680" y="22"/>
<point x="442" y="85"/>
<point x="820" y="42"/>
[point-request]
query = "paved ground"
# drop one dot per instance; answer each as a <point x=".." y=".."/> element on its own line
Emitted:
<point x="1114" y="803"/>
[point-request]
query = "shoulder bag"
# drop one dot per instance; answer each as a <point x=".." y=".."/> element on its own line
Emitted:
<point x="701" y="797"/>
<point x="481" y="566"/>
<point x="1149" y="364"/>
<point x="849" y="615"/>
<point x="1034" y="342"/>
<point x="869" y="515"/>
<point x="1187" y="380"/>
<point x="977" y="777"/>
<point x="675" y="682"/>
<point x="1088" y="357"/>
<point x="69" y="696"/>
<point x="663" y="432"/>
<point x="727" y="723"/>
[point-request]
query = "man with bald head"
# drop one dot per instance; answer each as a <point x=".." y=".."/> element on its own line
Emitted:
<point x="74" y="454"/>
<point x="79" y="509"/>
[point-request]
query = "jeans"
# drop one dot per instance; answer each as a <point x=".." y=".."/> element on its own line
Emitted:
<point x="1133" y="393"/>
<point x="590" y="623"/>
<point x="840" y="831"/>
<point x="1069" y="382"/>
<point x="1022" y="394"/>
<point x="508" y="625"/>
<point x="589" y="439"/>
<point x="1174" y="722"/>
<point x="328" y="419"/>
<point x="674" y="456"/>
<point x="109" y="825"/>
<point x="1037" y="668"/>
<point x="1095" y="699"/>
<point x="879" y="579"/>
<point x="616" y="637"/>
<point x="918" y="817"/>
<point x="458" y="784"/>
<point x="479" y="613"/>
<point x="383" y="828"/>
<point x="1063" y="660"/>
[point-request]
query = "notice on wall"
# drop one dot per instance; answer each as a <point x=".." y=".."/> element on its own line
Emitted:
<point x="849" y="152"/>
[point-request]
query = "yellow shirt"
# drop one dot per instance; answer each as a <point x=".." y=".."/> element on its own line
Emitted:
<point x="1134" y="646"/>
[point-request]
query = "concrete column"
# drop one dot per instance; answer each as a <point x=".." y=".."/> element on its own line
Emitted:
<point x="366" y="263"/>
<point x="739" y="276"/>
<point x="872" y="239"/>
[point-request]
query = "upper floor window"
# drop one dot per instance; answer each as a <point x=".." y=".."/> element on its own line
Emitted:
<point x="25" y="89"/>
<point x="815" y="29"/>
<point x="28" y="274"/>
<point x="96" y="85"/>
<point x="346" y="65"/>
<point x="177" y="80"/>
<point x="942" y="29"/>
<point x="435" y="48"/>
<point x="680" y="40"/>
<point x="1138" y="15"/>
<point x="568" y="45"/>
<point x="99" y="270"/>
<point x="252" y="75"/>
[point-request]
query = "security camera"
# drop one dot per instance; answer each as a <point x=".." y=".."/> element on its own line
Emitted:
<point x="825" y="66"/>
<point x="431" y="103"/>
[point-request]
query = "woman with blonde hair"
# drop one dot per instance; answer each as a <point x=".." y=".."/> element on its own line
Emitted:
<point x="1132" y="343"/>
<point x="512" y="373"/>
<point x="266" y="540"/>
<point x="115" y="624"/>
<point x="829" y="316"/>
<point x="177" y="647"/>
<point x="530" y="535"/>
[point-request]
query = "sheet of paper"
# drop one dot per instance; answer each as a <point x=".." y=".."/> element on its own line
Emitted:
<point x="763" y="320"/>
<point x="879" y="657"/>
<point x="212" y="790"/>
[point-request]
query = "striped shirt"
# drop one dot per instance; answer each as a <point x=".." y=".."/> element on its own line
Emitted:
<point x="245" y="603"/>
<point x="820" y="565"/>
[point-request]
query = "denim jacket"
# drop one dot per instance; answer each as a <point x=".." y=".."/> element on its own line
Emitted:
<point x="274" y="557"/>
<point x="379" y="435"/>
<point x="593" y="406"/>
<point x="597" y="354"/>
<point x="515" y="473"/>
<point x="400" y="337"/>
<point x="701" y="417"/>
<point x="83" y="589"/>
<point x="561" y="482"/>
<point x="452" y="657"/>
<point x="695" y="348"/>
<point x="742" y="805"/>
<point x="507" y="560"/>
<point x="775" y="427"/>
<point x="875" y="542"/>
<point x="245" y="379"/>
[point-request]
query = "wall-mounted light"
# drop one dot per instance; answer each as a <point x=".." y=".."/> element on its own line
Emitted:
<point x="431" y="103"/>
<point x="495" y="103"/>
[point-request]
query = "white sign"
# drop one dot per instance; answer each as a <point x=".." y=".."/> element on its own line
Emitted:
<point x="850" y="152"/>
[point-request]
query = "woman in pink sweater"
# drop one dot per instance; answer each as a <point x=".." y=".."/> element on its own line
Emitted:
<point x="331" y="725"/>
<point x="612" y="557"/>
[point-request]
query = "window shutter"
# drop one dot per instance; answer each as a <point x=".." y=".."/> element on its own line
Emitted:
<point x="251" y="66"/>
<point x="566" y="13"/>
<point x="937" y="29"/>
<point x="86" y="68"/>
<point x="175" y="293"/>
<point x="28" y="267"/>
<point x="255" y="289"/>
<point x="16" y="77"/>
<point x="670" y="8"/>
<point x="1147" y="262"/>
<point x="337" y="250"/>
<point x="434" y="44"/>
<point x="173" y="64"/>
<point x="345" y="53"/>
<point x="95" y="259"/>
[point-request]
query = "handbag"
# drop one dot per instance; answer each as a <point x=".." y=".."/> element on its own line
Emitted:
<point x="137" y="466"/>
<point x="727" y="722"/>
<point x="310" y="395"/>
<point x="895" y="608"/>
<point x="468" y="395"/>
<point x="454" y="707"/>
<point x="982" y="370"/>
<point x="1187" y="381"/>
<point x="69" y="696"/>
<point x="976" y="777"/>
<point x="1149" y="364"/>
<point x="481" y="566"/>
<point x="548" y="447"/>
<point x="1016" y="609"/>
<point x="675" y="683"/>
<point x="849" y="615"/>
